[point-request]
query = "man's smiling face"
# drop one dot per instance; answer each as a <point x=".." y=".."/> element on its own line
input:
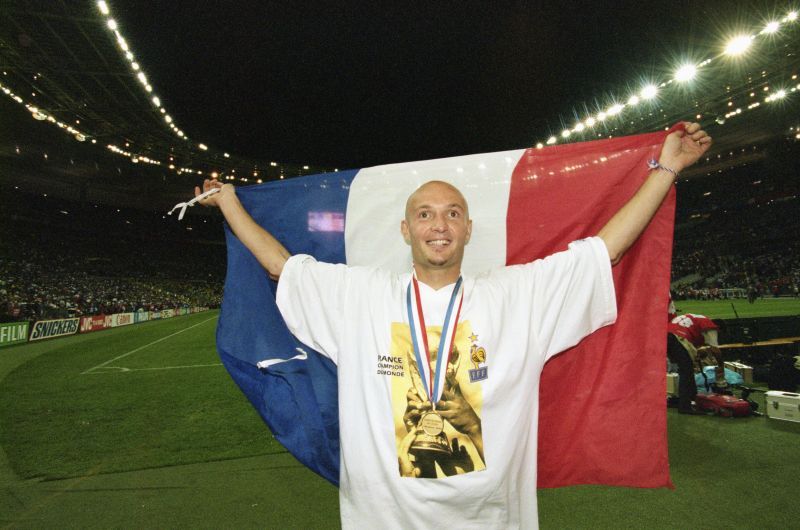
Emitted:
<point x="437" y="226"/>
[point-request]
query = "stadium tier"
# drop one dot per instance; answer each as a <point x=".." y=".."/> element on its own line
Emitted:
<point x="736" y="230"/>
<point x="65" y="259"/>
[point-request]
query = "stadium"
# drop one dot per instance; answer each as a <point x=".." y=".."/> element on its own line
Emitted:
<point x="116" y="409"/>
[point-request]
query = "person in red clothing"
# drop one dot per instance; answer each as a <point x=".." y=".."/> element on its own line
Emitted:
<point x="690" y="339"/>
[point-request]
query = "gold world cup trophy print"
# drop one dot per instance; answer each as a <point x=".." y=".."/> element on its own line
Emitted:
<point x="431" y="443"/>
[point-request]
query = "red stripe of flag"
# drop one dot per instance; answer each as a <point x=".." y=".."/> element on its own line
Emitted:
<point x="602" y="404"/>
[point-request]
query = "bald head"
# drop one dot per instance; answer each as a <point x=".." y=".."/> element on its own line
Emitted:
<point x="437" y="227"/>
<point x="434" y="191"/>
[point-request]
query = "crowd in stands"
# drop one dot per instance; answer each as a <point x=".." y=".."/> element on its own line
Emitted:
<point x="35" y="289"/>
<point x="718" y="276"/>
<point x="710" y="274"/>
<point x="67" y="264"/>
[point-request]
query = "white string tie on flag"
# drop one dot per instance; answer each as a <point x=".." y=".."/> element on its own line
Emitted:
<point x="265" y="364"/>
<point x="189" y="204"/>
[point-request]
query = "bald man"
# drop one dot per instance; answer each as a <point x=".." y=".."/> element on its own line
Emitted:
<point x="439" y="373"/>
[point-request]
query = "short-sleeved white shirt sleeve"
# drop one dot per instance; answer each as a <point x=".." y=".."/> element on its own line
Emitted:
<point x="517" y="317"/>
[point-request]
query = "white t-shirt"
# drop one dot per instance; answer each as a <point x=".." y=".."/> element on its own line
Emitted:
<point x="512" y="321"/>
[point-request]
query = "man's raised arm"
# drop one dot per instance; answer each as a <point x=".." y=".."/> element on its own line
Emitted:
<point x="681" y="149"/>
<point x="268" y="251"/>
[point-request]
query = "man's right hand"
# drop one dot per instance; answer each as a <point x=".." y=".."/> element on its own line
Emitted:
<point x="415" y="406"/>
<point x="225" y="190"/>
<point x="269" y="252"/>
<point x="407" y="467"/>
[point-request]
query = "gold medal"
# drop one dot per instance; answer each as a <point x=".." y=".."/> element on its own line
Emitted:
<point x="431" y="423"/>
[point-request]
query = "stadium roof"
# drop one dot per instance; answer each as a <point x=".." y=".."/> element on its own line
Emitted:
<point x="238" y="88"/>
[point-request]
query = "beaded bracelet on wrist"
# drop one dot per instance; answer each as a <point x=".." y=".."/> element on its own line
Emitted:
<point x="653" y="164"/>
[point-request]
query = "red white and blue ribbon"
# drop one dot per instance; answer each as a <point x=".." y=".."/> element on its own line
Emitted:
<point x="434" y="383"/>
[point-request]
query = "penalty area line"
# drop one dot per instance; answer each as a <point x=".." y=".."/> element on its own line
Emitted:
<point x="140" y="348"/>
<point x="121" y="369"/>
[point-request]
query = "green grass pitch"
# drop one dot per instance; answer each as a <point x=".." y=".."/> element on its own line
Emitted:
<point x="740" y="308"/>
<point x="141" y="427"/>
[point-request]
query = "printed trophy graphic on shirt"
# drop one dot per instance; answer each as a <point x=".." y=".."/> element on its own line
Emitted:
<point x="431" y="439"/>
<point x="431" y="445"/>
<point x="446" y="440"/>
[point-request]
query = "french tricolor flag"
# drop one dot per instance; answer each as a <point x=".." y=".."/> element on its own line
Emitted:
<point x="602" y="413"/>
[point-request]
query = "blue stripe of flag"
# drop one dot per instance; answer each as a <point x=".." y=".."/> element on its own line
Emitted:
<point x="297" y="399"/>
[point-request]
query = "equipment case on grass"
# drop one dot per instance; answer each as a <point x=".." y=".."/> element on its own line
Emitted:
<point x="783" y="405"/>
<point x="742" y="369"/>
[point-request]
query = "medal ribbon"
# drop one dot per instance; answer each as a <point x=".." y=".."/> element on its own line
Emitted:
<point x="419" y="337"/>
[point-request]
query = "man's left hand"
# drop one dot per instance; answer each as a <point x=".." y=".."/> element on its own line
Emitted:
<point x="683" y="148"/>
<point x="454" y="408"/>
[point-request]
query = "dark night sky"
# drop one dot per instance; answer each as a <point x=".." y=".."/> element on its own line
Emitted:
<point x="357" y="84"/>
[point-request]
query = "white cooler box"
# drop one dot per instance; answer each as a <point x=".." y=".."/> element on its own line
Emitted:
<point x="783" y="405"/>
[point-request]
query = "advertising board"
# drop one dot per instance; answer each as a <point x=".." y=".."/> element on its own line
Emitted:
<point x="13" y="333"/>
<point x="45" y="329"/>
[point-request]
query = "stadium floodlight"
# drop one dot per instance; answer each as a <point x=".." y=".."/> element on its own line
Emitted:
<point x="552" y="140"/>
<point x="590" y="121"/>
<point x="772" y="27"/>
<point x="565" y="133"/>
<point x="103" y="7"/>
<point x="579" y="127"/>
<point x="738" y="45"/>
<point x="792" y="16"/>
<point x="686" y="72"/>
<point x="601" y="116"/>
<point x="204" y="147"/>
<point x="615" y="109"/>
<point x="633" y="100"/>
<point x="112" y="24"/>
<point x="156" y="101"/>
<point x="649" y="92"/>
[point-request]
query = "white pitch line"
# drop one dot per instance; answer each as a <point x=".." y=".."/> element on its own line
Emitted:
<point x="145" y="346"/>
<point x="119" y="369"/>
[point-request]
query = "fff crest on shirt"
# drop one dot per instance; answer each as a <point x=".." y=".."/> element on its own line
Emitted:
<point x="477" y="355"/>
